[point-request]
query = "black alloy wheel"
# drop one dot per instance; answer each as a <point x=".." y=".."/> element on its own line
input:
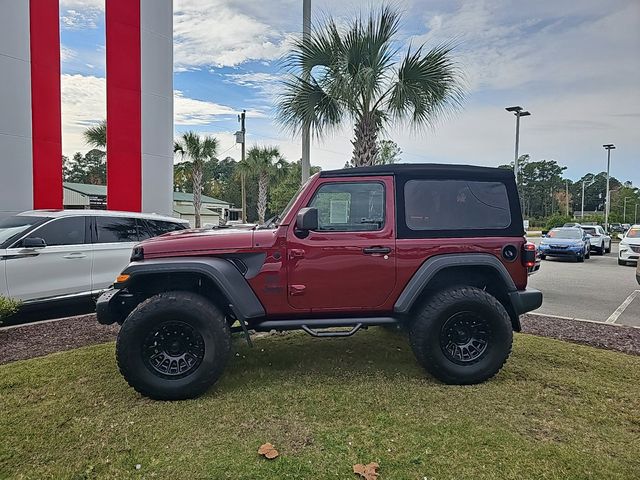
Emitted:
<point x="464" y="337"/>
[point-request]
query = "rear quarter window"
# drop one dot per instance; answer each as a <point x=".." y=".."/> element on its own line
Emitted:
<point x="456" y="205"/>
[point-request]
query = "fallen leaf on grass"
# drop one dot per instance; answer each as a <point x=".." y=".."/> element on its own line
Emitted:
<point x="268" y="450"/>
<point x="368" y="472"/>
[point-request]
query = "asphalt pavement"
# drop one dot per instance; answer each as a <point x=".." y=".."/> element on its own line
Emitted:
<point x="598" y="289"/>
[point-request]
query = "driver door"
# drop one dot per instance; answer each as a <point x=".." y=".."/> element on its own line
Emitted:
<point x="61" y="268"/>
<point x="349" y="262"/>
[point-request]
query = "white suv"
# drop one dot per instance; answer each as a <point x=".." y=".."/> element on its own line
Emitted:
<point x="600" y="241"/>
<point x="51" y="256"/>
<point x="629" y="250"/>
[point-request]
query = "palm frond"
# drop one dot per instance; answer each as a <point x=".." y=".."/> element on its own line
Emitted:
<point x="96" y="136"/>
<point x="427" y="85"/>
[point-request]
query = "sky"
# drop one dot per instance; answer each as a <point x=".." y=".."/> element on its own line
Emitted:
<point x="575" y="65"/>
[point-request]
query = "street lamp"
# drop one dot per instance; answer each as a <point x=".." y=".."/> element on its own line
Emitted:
<point x="518" y="112"/>
<point x="593" y="180"/>
<point x="608" y="147"/>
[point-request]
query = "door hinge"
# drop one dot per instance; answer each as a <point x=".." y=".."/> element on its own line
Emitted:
<point x="296" y="253"/>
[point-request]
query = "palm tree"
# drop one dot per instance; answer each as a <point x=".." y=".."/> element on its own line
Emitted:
<point x="96" y="136"/>
<point x="264" y="163"/>
<point x="191" y="147"/>
<point x="352" y="73"/>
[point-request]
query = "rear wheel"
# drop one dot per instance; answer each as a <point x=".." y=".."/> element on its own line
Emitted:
<point x="608" y="249"/>
<point x="173" y="346"/>
<point x="462" y="336"/>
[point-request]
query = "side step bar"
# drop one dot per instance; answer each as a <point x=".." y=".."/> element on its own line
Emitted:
<point x="311" y="325"/>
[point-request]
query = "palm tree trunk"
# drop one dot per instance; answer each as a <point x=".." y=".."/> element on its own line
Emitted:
<point x="365" y="142"/>
<point x="197" y="191"/>
<point x="263" y="185"/>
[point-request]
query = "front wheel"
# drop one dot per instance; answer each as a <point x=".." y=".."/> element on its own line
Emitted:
<point x="462" y="336"/>
<point x="173" y="346"/>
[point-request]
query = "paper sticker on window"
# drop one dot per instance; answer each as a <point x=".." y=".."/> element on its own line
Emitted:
<point x="338" y="212"/>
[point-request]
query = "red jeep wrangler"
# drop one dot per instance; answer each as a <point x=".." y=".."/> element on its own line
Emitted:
<point x="436" y="249"/>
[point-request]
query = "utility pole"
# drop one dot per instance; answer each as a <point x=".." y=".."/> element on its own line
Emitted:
<point x="306" y="74"/>
<point x="608" y="147"/>
<point x="242" y="140"/>
<point x="566" y="195"/>
<point x="635" y="217"/>
<point x="518" y="112"/>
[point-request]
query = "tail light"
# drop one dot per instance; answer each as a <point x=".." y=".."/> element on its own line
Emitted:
<point x="529" y="255"/>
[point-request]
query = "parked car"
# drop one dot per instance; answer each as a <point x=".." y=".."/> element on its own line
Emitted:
<point x="571" y="225"/>
<point x="629" y="249"/>
<point x="67" y="256"/>
<point x="437" y="249"/>
<point x="599" y="240"/>
<point x="616" y="228"/>
<point x="569" y="242"/>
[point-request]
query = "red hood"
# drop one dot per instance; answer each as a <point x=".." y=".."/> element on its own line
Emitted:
<point x="193" y="241"/>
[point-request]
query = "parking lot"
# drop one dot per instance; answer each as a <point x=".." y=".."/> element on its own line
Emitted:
<point x="598" y="289"/>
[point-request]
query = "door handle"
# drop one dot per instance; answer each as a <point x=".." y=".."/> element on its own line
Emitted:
<point x="71" y="256"/>
<point x="376" y="250"/>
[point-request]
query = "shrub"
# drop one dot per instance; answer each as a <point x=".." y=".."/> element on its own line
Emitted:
<point x="8" y="307"/>
<point x="557" y="221"/>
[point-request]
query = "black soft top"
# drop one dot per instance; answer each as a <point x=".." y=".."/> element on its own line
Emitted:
<point x="424" y="169"/>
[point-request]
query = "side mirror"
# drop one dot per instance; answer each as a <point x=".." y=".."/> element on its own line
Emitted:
<point x="33" y="242"/>
<point x="306" y="220"/>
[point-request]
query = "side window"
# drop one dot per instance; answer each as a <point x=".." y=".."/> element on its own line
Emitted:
<point x="456" y="205"/>
<point x="350" y="207"/>
<point x="159" y="227"/>
<point x="116" y="229"/>
<point x="143" y="231"/>
<point x="62" y="231"/>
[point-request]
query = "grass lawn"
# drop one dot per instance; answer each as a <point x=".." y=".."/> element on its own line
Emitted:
<point x="558" y="410"/>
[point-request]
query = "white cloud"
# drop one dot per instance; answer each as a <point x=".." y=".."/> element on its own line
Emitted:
<point x="84" y="103"/>
<point x="267" y="84"/>
<point x="81" y="19"/>
<point x="221" y="33"/>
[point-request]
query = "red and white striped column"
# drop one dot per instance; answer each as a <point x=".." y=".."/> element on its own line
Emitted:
<point x="30" y="122"/>
<point x="139" y="105"/>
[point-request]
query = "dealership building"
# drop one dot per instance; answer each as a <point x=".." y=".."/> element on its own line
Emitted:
<point x="139" y="79"/>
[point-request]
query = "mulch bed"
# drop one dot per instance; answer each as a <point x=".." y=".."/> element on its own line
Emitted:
<point x="612" y="337"/>
<point x="36" y="340"/>
<point x="40" y="339"/>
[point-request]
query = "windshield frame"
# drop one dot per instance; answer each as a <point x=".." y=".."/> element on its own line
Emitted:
<point x="38" y="221"/>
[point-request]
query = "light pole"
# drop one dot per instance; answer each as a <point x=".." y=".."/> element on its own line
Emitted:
<point x="306" y="140"/>
<point x="624" y="210"/>
<point x="590" y="183"/>
<point x="518" y="112"/>
<point x="608" y="147"/>
<point x="635" y="216"/>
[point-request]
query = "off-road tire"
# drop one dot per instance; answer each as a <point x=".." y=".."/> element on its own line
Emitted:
<point x="182" y="308"/>
<point x="427" y="333"/>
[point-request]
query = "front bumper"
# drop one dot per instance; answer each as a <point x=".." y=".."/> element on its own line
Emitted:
<point x="628" y="255"/>
<point x="113" y="306"/>
<point x="561" y="252"/>
<point x="526" y="300"/>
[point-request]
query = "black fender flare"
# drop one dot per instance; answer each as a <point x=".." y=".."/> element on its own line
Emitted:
<point x="222" y="272"/>
<point x="435" y="264"/>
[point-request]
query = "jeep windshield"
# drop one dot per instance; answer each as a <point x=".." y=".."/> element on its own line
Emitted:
<point x="275" y="221"/>
<point x="12" y="227"/>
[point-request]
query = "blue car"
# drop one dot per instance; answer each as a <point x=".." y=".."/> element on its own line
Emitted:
<point x="566" y="242"/>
